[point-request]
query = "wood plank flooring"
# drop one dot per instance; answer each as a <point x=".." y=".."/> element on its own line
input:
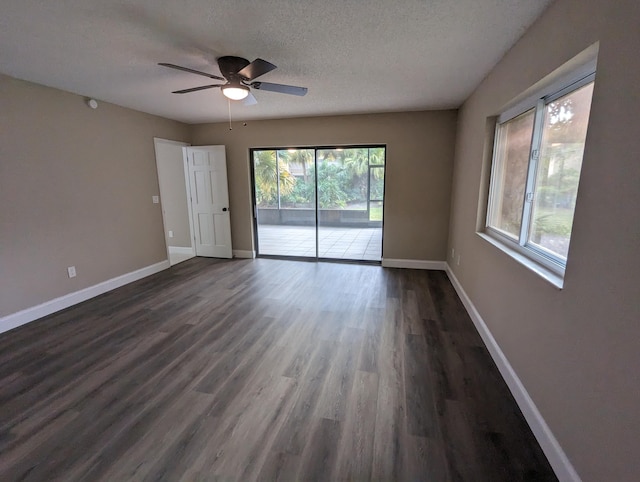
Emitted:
<point x="261" y="370"/>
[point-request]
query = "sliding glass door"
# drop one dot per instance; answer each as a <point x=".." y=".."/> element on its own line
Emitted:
<point x="285" y="202"/>
<point x="347" y="227"/>
<point x="319" y="202"/>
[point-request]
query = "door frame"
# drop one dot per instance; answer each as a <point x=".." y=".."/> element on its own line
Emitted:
<point x="185" y="170"/>
<point x="254" y="204"/>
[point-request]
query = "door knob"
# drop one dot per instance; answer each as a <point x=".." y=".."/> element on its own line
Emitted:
<point x="224" y="209"/>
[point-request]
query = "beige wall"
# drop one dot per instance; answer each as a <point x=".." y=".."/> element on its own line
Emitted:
<point x="576" y="350"/>
<point x="418" y="176"/>
<point x="75" y="189"/>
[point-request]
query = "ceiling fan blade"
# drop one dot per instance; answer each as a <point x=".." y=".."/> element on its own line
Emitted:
<point x="250" y="100"/>
<point x="256" y="68"/>
<point x="186" y="69"/>
<point x="195" y="89"/>
<point x="280" y="88"/>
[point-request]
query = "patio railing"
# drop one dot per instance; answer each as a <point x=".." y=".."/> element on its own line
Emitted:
<point x="307" y="217"/>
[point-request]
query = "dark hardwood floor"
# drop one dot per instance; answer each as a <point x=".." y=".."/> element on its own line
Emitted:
<point x="261" y="370"/>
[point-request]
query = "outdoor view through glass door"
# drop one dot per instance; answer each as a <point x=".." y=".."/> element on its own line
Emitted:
<point x="319" y="202"/>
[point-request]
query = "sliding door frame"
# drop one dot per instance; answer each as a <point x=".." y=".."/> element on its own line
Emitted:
<point x="315" y="149"/>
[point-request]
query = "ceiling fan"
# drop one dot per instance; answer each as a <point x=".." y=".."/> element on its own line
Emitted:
<point x="239" y="74"/>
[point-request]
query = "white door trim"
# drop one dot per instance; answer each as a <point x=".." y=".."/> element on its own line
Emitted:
<point x="156" y="142"/>
<point x="185" y="167"/>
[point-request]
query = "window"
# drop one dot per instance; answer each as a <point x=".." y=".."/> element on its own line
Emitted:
<point x="537" y="158"/>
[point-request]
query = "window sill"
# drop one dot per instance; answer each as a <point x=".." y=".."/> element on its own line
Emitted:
<point x="545" y="273"/>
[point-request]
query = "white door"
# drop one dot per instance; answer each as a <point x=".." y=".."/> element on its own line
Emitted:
<point x="210" y="201"/>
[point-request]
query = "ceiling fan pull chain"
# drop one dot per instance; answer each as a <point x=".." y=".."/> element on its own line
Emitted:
<point x="229" y="102"/>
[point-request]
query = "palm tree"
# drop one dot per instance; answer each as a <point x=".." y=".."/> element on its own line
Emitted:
<point x="376" y="156"/>
<point x="356" y="161"/>
<point x="268" y="168"/>
<point x="304" y="157"/>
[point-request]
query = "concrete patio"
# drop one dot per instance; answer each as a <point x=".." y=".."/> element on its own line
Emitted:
<point x="337" y="243"/>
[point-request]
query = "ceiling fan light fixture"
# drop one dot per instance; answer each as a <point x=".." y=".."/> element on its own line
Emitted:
<point x="235" y="91"/>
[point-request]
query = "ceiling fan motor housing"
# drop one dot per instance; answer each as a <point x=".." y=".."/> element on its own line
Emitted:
<point x="230" y="66"/>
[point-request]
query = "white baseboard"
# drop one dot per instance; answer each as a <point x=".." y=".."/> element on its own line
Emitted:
<point x="14" y="320"/>
<point x="239" y="253"/>
<point x="557" y="458"/>
<point x="188" y="250"/>
<point x="413" y="264"/>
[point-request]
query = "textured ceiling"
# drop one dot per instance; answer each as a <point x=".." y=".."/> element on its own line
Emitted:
<point x="354" y="56"/>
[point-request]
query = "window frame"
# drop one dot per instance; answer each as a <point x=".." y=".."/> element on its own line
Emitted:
<point x="538" y="102"/>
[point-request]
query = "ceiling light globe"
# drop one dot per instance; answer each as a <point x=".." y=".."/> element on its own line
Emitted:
<point x="235" y="92"/>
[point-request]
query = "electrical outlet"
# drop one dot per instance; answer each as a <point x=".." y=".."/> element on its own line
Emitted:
<point x="453" y="253"/>
<point x="71" y="270"/>
<point x="458" y="261"/>
<point x="171" y="234"/>
<point x="155" y="199"/>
